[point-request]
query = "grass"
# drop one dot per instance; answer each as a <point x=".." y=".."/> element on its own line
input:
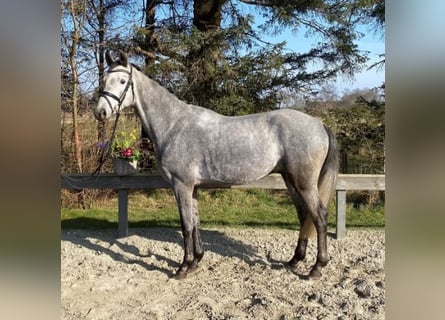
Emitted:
<point x="234" y="208"/>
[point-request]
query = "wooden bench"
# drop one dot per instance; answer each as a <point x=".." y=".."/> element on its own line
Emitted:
<point x="153" y="181"/>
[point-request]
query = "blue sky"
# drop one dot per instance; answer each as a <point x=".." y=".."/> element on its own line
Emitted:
<point x="366" y="79"/>
<point x="371" y="41"/>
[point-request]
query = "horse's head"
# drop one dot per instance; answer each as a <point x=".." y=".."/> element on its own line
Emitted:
<point x="117" y="83"/>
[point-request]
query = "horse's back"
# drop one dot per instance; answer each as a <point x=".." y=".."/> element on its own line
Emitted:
<point x="295" y="121"/>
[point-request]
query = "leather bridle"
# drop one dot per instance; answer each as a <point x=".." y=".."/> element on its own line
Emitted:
<point x="120" y="100"/>
<point x="105" y="152"/>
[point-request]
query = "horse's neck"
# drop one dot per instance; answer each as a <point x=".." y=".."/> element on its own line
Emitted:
<point x="158" y="109"/>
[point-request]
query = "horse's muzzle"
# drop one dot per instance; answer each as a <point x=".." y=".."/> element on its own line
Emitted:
<point x="101" y="114"/>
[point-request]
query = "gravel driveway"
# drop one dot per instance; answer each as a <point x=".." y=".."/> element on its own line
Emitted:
<point x="242" y="276"/>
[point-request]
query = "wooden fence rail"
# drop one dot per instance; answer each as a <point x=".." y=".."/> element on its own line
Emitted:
<point x="152" y="181"/>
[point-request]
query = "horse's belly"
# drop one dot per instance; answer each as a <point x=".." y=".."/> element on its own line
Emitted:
<point x="238" y="167"/>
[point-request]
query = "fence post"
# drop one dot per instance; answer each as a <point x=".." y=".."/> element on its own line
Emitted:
<point x="122" y="213"/>
<point x="341" y="213"/>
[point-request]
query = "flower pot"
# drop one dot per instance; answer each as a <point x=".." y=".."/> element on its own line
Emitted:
<point x="123" y="167"/>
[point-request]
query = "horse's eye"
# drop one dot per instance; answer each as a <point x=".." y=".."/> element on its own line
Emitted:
<point x="122" y="81"/>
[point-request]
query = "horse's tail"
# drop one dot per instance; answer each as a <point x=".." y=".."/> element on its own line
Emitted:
<point x="328" y="174"/>
<point x="326" y="181"/>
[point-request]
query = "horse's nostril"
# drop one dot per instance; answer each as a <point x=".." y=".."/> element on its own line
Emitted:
<point x="101" y="114"/>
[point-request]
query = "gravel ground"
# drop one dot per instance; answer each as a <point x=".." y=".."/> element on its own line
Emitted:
<point x="242" y="276"/>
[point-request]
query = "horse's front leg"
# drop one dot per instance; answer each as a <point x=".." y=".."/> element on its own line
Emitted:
<point x="198" y="249"/>
<point x="184" y="199"/>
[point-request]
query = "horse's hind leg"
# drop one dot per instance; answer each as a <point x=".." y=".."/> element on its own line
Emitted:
<point x="311" y="213"/>
<point x="303" y="238"/>
<point x="307" y="227"/>
<point x="319" y="215"/>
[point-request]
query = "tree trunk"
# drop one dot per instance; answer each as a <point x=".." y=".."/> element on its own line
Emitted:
<point x="146" y="146"/>
<point x="75" y="41"/>
<point x="101" y="127"/>
<point x="207" y="19"/>
<point x="207" y="14"/>
<point x="150" y="9"/>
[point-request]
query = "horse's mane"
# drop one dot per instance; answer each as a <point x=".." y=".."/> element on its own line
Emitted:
<point x="138" y="68"/>
<point x="151" y="78"/>
<point x="119" y="63"/>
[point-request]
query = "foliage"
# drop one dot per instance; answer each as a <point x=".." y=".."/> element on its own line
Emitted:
<point x="360" y="131"/>
<point x="89" y="136"/>
<point x="125" y="146"/>
<point x="230" y="69"/>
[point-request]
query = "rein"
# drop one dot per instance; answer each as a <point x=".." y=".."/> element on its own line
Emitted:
<point x="106" y="151"/>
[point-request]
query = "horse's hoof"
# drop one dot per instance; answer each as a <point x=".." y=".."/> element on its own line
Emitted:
<point x="193" y="268"/>
<point x="315" y="274"/>
<point x="292" y="264"/>
<point x="180" y="275"/>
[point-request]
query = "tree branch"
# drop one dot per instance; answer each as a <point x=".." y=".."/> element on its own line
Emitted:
<point x="257" y="3"/>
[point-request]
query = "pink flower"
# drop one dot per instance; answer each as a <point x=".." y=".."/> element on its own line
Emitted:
<point x="128" y="152"/>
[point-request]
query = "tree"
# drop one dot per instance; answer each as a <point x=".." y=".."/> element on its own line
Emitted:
<point x="147" y="45"/>
<point x="76" y="11"/>
<point x="212" y="55"/>
<point x="358" y="120"/>
<point x="95" y="39"/>
<point x="206" y="53"/>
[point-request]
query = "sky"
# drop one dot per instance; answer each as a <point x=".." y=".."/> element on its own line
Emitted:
<point x="371" y="41"/>
<point x="365" y="79"/>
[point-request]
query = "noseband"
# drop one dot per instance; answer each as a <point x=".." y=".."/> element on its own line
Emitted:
<point x="107" y="94"/>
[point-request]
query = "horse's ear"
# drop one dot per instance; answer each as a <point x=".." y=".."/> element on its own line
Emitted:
<point x="108" y="58"/>
<point x="123" y="58"/>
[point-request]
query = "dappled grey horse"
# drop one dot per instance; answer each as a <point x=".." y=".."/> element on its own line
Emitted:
<point x="198" y="147"/>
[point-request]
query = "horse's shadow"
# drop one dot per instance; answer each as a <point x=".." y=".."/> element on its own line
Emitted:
<point x="214" y="241"/>
<point x="88" y="239"/>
